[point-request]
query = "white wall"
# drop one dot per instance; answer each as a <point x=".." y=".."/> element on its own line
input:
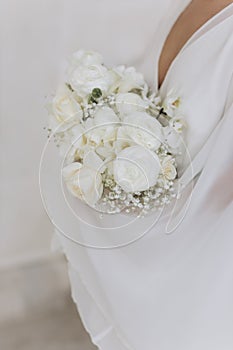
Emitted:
<point x="28" y="73"/>
<point x="36" y="37"/>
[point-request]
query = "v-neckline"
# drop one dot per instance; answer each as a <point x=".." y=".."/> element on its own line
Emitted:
<point x="214" y="17"/>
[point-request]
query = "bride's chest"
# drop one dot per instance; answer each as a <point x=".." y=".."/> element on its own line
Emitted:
<point x="185" y="26"/>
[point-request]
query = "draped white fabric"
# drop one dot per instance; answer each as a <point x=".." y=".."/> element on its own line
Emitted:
<point x="172" y="291"/>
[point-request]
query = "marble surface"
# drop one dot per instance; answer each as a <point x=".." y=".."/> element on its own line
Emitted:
<point x="36" y="310"/>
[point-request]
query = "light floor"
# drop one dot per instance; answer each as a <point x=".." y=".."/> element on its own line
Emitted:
<point x="36" y="311"/>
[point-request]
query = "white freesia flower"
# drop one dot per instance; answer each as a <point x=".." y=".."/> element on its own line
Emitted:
<point x="168" y="168"/>
<point x="178" y="124"/>
<point x="171" y="103"/>
<point x="136" y="169"/>
<point x="65" y="111"/>
<point x="126" y="103"/>
<point x="102" y="127"/>
<point x="129" y="79"/>
<point x="84" y="180"/>
<point x="143" y="129"/>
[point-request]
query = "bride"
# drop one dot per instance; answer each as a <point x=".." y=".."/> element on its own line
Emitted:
<point x="174" y="291"/>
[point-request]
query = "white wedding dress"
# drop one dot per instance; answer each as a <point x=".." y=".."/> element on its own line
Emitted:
<point x="172" y="291"/>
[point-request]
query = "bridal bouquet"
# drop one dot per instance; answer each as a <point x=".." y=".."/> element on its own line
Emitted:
<point x="120" y="141"/>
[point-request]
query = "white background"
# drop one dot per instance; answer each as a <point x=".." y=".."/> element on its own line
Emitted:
<point x="37" y="36"/>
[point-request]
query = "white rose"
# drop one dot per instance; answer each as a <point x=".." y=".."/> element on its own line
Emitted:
<point x="127" y="103"/>
<point x="65" y="111"/>
<point x="129" y="79"/>
<point x="143" y="130"/>
<point x="84" y="181"/>
<point x="88" y="58"/>
<point x="168" y="168"/>
<point x="102" y="127"/>
<point x="85" y="78"/>
<point x="136" y="169"/>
